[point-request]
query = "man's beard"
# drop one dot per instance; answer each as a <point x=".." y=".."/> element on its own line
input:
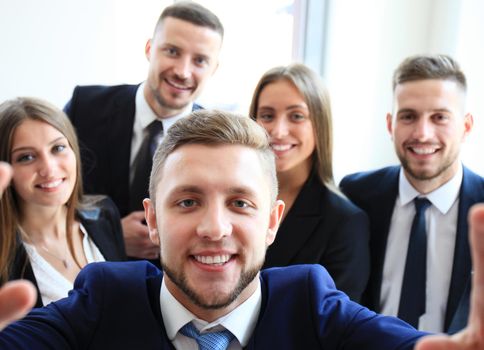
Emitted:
<point x="180" y="280"/>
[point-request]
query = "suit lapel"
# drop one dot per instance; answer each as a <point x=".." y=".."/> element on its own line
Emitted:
<point x="380" y="211"/>
<point x="119" y="136"/>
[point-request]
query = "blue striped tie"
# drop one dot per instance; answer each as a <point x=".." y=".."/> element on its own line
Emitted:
<point x="208" y="341"/>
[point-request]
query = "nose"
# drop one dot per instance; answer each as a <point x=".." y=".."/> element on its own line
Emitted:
<point x="182" y="68"/>
<point x="215" y="223"/>
<point x="279" y="128"/>
<point x="423" y="130"/>
<point x="46" y="166"/>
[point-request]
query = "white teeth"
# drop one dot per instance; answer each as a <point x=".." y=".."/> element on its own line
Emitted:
<point x="183" y="87"/>
<point x="424" y="150"/>
<point x="51" y="184"/>
<point x="213" y="260"/>
<point x="280" y="148"/>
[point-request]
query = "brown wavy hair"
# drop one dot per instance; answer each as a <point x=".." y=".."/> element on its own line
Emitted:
<point x="12" y="114"/>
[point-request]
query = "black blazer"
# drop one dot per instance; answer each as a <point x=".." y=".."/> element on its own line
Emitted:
<point x="324" y="228"/>
<point x="103" y="226"/>
<point x="376" y="193"/>
<point x="103" y="117"/>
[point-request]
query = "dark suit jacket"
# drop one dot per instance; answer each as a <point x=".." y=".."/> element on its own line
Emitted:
<point x="324" y="228"/>
<point x="103" y="117"/>
<point x="103" y="226"/>
<point x="376" y="193"/>
<point x="117" y="306"/>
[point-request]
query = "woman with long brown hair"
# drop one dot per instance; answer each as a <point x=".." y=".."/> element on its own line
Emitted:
<point x="49" y="231"/>
<point x="319" y="225"/>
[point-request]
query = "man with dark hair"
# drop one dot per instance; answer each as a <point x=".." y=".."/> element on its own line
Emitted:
<point x="213" y="212"/>
<point x="120" y="126"/>
<point x="422" y="204"/>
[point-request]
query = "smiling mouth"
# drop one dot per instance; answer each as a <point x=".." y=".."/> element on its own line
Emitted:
<point x="423" y="150"/>
<point x="280" y="147"/>
<point x="178" y="86"/>
<point x="50" y="184"/>
<point x="213" y="260"/>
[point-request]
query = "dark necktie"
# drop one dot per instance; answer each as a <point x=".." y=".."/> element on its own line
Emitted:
<point x="412" y="298"/>
<point x="142" y="164"/>
<point x="208" y="341"/>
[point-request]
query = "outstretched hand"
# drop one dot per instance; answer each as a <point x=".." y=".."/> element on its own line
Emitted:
<point x="472" y="337"/>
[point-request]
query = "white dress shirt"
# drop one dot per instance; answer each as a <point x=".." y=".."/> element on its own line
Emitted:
<point x="441" y="225"/>
<point x="52" y="284"/>
<point x="240" y="322"/>
<point x="143" y="116"/>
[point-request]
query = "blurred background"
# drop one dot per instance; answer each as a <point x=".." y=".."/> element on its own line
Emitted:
<point x="47" y="47"/>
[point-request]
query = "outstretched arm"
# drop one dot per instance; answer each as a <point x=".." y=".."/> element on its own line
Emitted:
<point x="472" y="337"/>
<point x="16" y="297"/>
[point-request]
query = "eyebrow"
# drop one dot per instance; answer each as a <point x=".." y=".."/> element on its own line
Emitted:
<point x="28" y="148"/>
<point x="410" y="110"/>
<point x="287" y="108"/>
<point x="242" y="190"/>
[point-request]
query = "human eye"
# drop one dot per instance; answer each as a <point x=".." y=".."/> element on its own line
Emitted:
<point x="265" y="117"/>
<point x="58" y="148"/>
<point x="297" y="117"/>
<point x="240" y="203"/>
<point x="187" y="203"/>
<point x="24" y="158"/>
<point x="406" y="117"/>
<point x="201" y="61"/>
<point x="440" y="118"/>
<point x="171" y="51"/>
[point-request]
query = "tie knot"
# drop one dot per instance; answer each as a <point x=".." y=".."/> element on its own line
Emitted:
<point x="154" y="128"/>
<point x="421" y="204"/>
<point x="208" y="341"/>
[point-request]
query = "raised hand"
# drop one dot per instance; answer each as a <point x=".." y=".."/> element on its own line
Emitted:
<point x="472" y="337"/>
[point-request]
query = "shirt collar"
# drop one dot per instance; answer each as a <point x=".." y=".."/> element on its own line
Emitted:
<point x="442" y="198"/>
<point x="146" y="115"/>
<point x="240" y="322"/>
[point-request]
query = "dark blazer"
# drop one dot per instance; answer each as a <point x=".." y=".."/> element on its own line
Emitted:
<point x="324" y="228"/>
<point x="376" y="193"/>
<point x="117" y="306"/>
<point x="103" y="226"/>
<point x="103" y="117"/>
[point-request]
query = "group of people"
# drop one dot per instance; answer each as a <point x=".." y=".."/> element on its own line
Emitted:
<point x="231" y="195"/>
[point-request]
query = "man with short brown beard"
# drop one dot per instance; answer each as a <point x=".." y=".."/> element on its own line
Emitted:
<point x="427" y="284"/>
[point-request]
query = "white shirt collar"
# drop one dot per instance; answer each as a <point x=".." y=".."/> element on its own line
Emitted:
<point x="240" y="322"/>
<point x="146" y="115"/>
<point x="442" y="198"/>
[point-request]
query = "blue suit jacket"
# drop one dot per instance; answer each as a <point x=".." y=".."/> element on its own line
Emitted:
<point x="376" y="193"/>
<point x="103" y="117"/>
<point x="324" y="228"/>
<point x="117" y="306"/>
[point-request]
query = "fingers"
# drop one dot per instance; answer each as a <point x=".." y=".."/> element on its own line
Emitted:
<point x="136" y="237"/>
<point x="16" y="299"/>
<point x="437" y="342"/>
<point x="5" y="176"/>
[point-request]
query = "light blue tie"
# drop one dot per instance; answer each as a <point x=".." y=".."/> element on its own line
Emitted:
<point x="208" y="341"/>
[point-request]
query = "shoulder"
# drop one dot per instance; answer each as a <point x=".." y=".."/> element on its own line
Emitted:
<point x="370" y="177"/>
<point x="103" y="91"/>
<point x="96" y="207"/>
<point x="125" y="275"/>
<point x="303" y="276"/>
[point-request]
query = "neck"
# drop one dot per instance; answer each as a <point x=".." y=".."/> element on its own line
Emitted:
<point x="43" y="224"/>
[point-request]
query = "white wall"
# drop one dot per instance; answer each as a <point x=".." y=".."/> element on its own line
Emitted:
<point x="49" y="46"/>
